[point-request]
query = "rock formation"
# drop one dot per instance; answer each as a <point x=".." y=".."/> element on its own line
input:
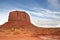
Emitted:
<point x="19" y="24"/>
<point x="19" y="16"/>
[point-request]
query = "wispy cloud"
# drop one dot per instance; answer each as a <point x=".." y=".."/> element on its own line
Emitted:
<point x="44" y="13"/>
<point x="44" y="17"/>
<point x="54" y="4"/>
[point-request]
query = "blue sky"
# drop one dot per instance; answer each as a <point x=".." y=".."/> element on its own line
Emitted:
<point x="44" y="13"/>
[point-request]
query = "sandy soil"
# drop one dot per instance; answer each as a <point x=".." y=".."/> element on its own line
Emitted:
<point x="18" y="37"/>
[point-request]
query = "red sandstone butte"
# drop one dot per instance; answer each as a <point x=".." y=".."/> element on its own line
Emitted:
<point x="19" y="27"/>
<point x="18" y="18"/>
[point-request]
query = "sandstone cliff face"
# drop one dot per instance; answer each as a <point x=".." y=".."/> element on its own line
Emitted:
<point x="19" y="27"/>
<point x="19" y="16"/>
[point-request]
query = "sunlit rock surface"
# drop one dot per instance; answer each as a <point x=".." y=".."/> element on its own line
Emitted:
<point x="19" y="27"/>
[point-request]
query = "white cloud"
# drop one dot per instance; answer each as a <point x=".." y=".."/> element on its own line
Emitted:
<point x="43" y="22"/>
<point x="44" y="12"/>
<point x="53" y="4"/>
<point x="40" y="22"/>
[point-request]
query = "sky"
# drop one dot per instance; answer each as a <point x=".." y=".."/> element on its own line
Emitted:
<point x="43" y="13"/>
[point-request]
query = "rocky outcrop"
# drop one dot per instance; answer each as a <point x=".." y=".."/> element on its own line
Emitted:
<point x="20" y="16"/>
